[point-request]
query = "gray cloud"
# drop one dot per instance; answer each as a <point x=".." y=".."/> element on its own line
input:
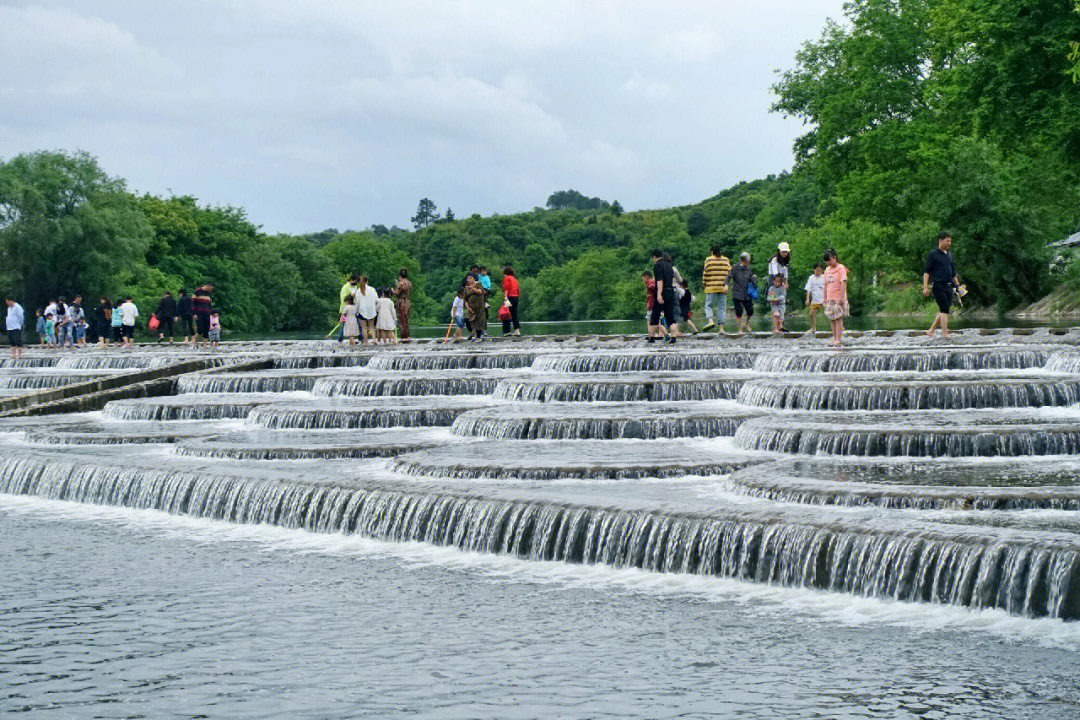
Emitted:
<point x="336" y="113"/>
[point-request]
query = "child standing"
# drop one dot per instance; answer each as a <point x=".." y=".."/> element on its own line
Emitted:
<point x="815" y="296"/>
<point x="43" y="339"/>
<point x="684" y="305"/>
<point x="777" y="302"/>
<point x="457" y="314"/>
<point x="215" y="330"/>
<point x="116" y="323"/>
<point x="384" y="318"/>
<point x="50" y="330"/>
<point x="350" y="327"/>
<point x="504" y="316"/>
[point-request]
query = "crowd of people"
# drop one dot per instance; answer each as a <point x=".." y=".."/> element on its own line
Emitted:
<point x="371" y="315"/>
<point x="668" y="296"/>
<point x="374" y="315"/>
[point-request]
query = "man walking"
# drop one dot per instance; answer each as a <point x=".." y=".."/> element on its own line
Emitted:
<point x="714" y="280"/>
<point x="664" y="276"/>
<point x="183" y="309"/>
<point x="166" y="314"/>
<point x="742" y="278"/>
<point x="941" y="271"/>
<point x="14" y="323"/>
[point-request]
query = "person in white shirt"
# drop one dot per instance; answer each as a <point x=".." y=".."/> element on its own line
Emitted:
<point x="128" y="313"/>
<point x="815" y="296"/>
<point x="365" y="298"/>
<point x="14" y="324"/>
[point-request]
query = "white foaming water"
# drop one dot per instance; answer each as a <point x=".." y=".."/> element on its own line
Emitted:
<point x="768" y="600"/>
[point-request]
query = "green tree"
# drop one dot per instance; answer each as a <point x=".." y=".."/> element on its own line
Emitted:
<point x="67" y="228"/>
<point x="426" y="214"/>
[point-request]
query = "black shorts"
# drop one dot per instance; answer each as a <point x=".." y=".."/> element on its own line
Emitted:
<point x="15" y="338"/>
<point x="943" y="293"/>
<point x="202" y="325"/>
<point x="746" y="304"/>
<point x="127" y="331"/>
<point x="165" y="326"/>
<point x="666" y="308"/>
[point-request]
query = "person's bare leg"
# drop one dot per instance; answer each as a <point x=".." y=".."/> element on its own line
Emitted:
<point x="933" y="325"/>
<point x="944" y="324"/>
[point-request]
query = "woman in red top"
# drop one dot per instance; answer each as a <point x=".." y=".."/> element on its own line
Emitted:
<point x="512" y="292"/>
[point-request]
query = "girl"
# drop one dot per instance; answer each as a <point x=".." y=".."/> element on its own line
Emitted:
<point x="384" y="321"/>
<point x="457" y="313"/>
<point x="214" y="336"/>
<point x="365" y="298"/>
<point x="351" y="328"/>
<point x="836" y="300"/>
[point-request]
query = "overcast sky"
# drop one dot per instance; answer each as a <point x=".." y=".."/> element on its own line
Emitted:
<point x="323" y="113"/>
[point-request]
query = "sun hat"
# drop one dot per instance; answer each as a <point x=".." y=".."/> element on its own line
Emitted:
<point x="784" y="247"/>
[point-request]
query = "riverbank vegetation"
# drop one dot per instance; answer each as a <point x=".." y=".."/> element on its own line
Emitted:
<point x="920" y="115"/>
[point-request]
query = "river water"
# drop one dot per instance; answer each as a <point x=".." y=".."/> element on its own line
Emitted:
<point x="112" y="612"/>
<point x="574" y="528"/>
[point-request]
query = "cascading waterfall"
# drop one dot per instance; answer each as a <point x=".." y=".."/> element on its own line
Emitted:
<point x="359" y="416"/>
<point x="962" y="567"/>
<point x="260" y="382"/>
<point x="390" y="386"/>
<point x="644" y="362"/>
<point x="304" y="362"/>
<point x="901" y="360"/>
<point x="40" y="381"/>
<point x="39" y="361"/>
<point x="186" y="407"/>
<point x="452" y="361"/>
<point x="587" y="389"/>
<point x="600" y="426"/>
<point x="835" y="394"/>
<point x="881" y="470"/>
<point x="774" y="435"/>
<point x="1064" y="361"/>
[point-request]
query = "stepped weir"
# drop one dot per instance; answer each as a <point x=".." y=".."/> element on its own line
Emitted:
<point x="897" y="468"/>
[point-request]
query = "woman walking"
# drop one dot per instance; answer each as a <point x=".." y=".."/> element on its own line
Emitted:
<point x="512" y="292"/>
<point x="836" y="300"/>
<point x="103" y="321"/>
<point x="474" y="308"/>
<point x="365" y="299"/>
<point x="401" y="294"/>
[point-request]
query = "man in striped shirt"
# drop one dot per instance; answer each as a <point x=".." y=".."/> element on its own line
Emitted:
<point x="714" y="281"/>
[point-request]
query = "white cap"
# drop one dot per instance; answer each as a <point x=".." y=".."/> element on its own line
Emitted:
<point x="784" y="247"/>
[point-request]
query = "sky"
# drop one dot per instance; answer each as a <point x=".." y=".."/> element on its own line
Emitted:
<point x="337" y="113"/>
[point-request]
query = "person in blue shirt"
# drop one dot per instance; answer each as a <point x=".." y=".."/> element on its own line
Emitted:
<point x="485" y="284"/>
<point x="15" y="321"/>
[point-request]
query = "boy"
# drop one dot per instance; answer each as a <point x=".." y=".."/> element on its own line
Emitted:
<point x="215" y="330"/>
<point x="684" y="305"/>
<point x="43" y="338"/>
<point x="457" y="314"/>
<point x="50" y="329"/>
<point x="777" y="300"/>
<point x="128" y="313"/>
<point x="815" y="296"/>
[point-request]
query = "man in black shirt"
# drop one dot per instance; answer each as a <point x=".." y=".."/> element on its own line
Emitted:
<point x="664" y="275"/>
<point x="941" y="271"/>
<point x="166" y="313"/>
<point x="183" y="309"/>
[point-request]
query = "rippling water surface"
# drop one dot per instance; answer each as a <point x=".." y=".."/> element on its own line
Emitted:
<point x="111" y="612"/>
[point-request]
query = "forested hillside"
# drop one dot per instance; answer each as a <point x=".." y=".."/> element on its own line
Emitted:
<point x="920" y="115"/>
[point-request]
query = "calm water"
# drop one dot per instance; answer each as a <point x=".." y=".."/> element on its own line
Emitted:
<point x="111" y="613"/>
